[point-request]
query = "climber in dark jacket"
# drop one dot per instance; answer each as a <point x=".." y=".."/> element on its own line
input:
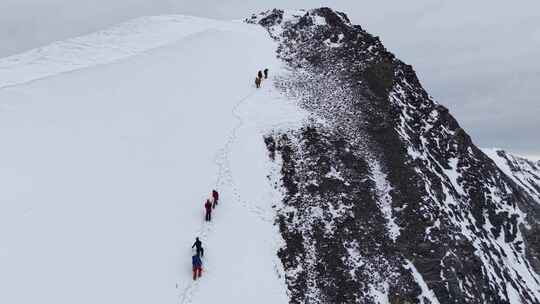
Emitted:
<point x="215" y="196"/>
<point x="208" y="207"/>
<point x="197" y="266"/>
<point x="265" y="73"/>
<point x="260" y="75"/>
<point x="198" y="245"/>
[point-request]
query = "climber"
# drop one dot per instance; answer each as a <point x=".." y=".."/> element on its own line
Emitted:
<point x="257" y="82"/>
<point x="197" y="266"/>
<point x="215" y="196"/>
<point x="266" y="73"/>
<point x="198" y="246"/>
<point x="260" y="75"/>
<point x="208" y="207"/>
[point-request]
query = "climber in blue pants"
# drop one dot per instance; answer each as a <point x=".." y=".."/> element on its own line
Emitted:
<point x="197" y="266"/>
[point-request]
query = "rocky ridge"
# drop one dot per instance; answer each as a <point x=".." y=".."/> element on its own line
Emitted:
<point x="386" y="197"/>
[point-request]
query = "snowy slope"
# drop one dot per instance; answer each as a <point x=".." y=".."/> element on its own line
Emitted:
<point x="104" y="170"/>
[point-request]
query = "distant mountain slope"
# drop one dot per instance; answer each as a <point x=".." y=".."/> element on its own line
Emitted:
<point x="524" y="172"/>
<point x="387" y="198"/>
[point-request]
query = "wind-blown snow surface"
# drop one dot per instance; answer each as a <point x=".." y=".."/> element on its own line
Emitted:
<point x="104" y="170"/>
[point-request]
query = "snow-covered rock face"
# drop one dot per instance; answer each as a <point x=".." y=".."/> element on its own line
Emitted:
<point x="387" y="200"/>
<point x="524" y="172"/>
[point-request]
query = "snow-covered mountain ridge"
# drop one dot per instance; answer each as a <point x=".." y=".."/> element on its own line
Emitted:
<point x="107" y="46"/>
<point x="340" y="180"/>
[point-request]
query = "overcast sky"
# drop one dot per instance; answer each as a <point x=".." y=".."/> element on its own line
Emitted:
<point x="479" y="58"/>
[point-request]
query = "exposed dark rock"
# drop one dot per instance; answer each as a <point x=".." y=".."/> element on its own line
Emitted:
<point x="389" y="197"/>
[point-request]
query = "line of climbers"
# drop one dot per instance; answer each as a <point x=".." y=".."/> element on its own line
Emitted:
<point x="259" y="78"/>
<point x="196" y="259"/>
<point x="210" y="204"/>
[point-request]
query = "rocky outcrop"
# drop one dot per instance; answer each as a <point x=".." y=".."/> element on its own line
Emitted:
<point x="387" y="199"/>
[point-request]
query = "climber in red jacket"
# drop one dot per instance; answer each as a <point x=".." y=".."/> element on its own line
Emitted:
<point x="215" y="196"/>
<point x="208" y="207"/>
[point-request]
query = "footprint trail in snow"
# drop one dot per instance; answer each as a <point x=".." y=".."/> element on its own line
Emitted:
<point x="224" y="180"/>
